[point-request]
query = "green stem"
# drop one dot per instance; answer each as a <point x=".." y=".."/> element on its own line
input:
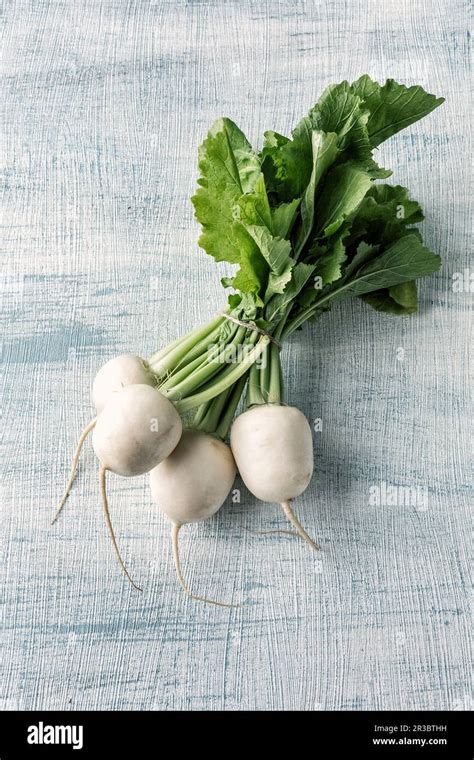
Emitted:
<point x="201" y="414"/>
<point x="167" y="359"/>
<point x="265" y="374"/>
<point x="195" y="363"/>
<point x="282" y="383"/>
<point x="275" y="386"/>
<point x="254" y="393"/>
<point x="301" y="318"/>
<point x="176" y="377"/>
<point x="201" y="348"/>
<point x="214" y="409"/>
<point x="195" y="358"/>
<point x="226" y="378"/>
<point x="281" y="324"/>
<point x="267" y="380"/>
<point x="216" y="357"/>
<point x="310" y="311"/>
<point x="222" y="430"/>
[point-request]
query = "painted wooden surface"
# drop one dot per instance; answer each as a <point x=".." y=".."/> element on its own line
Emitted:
<point x="105" y="103"/>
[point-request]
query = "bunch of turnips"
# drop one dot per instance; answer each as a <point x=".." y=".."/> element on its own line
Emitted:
<point x="307" y="222"/>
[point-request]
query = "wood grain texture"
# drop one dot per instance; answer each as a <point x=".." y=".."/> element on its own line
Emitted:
<point x="105" y="103"/>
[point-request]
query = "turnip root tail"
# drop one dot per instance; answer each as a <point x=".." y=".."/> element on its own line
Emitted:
<point x="175" y="528"/>
<point x="105" y="504"/>
<point x="75" y="460"/>
<point x="286" y="506"/>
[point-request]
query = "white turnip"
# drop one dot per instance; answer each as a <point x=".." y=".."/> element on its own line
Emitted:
<point x="112" y="377"/>
<point x="136" y="430"/>
<point x="273" y="449"/>
<point x="191" y="485"/>
<point x="116" y="374"/>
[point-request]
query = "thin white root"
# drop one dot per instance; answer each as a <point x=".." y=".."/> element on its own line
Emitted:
<point x="297" y="525"/>
<point x="175" y="528"/>
<point x="75" y="460"/>
<point x="105" y="504"/>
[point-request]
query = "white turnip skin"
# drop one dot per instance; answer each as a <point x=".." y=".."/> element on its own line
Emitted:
<point x="191" y="485"/>
<point x="273" y="449"/>
<point x="138" y="428"/>
<point x="112" y="377"/>
<point x="117" y="374"/>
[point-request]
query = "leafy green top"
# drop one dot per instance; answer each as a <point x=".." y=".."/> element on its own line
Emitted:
<point x="303" y="219"/>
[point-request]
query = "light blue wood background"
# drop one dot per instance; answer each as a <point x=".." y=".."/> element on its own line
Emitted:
<point x="105" y="103"/>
